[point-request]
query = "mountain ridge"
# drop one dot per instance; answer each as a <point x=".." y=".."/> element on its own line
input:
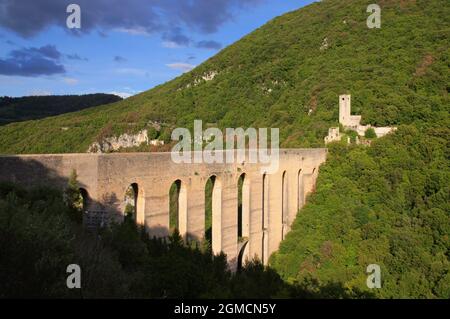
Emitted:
<point x="278" y="76"/>
<point x="17" y="109"/>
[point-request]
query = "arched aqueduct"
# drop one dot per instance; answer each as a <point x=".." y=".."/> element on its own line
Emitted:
<point x="269" y="202"/>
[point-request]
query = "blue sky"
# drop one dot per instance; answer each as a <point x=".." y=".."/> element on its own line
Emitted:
<point x="123" y="47"/>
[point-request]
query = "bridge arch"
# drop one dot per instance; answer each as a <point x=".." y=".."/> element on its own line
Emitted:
<point x="134" y="201"/>
<point x="130" y="199"/>
<point x="243" y="215"/>
<point x="213" y="213"/>
<point x="284" y="204"/>
<point x="84" y="200"/>
<point x="243" y="208"/>
<point x="265" y="219"/>
<point x="178" y="207"/>
<point x="299" y="190"/>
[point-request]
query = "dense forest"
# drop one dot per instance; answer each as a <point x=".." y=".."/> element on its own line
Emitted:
<point x="17" y="109"/>
<point x="41" y="234"/>
<point x="386" y="204"/>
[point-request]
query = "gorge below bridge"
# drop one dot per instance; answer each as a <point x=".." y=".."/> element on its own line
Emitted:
<point x="251" y="227"/>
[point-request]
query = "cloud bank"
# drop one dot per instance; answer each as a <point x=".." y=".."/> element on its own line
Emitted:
<point x="32" y="62"/>
<point x="167" y="17"/>
<point x="181" y="66"/>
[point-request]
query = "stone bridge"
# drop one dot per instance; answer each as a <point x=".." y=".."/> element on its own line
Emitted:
<point x="270" y="202"/>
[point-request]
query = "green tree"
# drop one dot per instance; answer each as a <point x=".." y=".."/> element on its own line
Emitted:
<point x="370" y="133"/>
<point x="73" y="196"/>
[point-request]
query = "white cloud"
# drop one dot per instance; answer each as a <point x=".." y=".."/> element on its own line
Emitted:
<point x="171" y="45"/>
<point x="134" y="31"/>
<point x="70" y="81"/>
<point x="123" y="95"/>
<point x="181" y="66"/>
<point x="131" y="71"/>
<point x="131" y="90"/>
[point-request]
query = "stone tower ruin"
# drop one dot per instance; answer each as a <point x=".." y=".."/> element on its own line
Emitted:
<point x="345" y="106"/>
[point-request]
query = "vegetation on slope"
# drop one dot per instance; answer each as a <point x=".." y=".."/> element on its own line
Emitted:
<point x="387" y="204"/>
<point x="16" y="109"/>
<point x="279" y="74"/>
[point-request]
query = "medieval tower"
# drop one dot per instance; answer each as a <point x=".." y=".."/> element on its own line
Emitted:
<point x="347" y="120"/>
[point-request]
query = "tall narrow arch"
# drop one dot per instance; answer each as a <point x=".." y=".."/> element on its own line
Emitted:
<point x="84" y="200"/>
<point x="243" y="216"/>
<point x="313" y="180"/>
<point x="243" y="210"/>
<point x="213" y="214"/>
<point x="284" y="204"/>
<point x="265" y="219"/>
<point x="135" y="203"/>
<point x="131" y="197"/>
<point x="300" y="190"/>
<point x="178" y="207"/>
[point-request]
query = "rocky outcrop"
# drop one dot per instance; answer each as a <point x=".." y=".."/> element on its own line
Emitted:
<point x="324" y="45"/>
<point x="114" y="143"/>
<point x="206" y="77"/>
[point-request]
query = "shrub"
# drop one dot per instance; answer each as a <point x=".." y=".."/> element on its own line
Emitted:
<point x="370" y="133"/>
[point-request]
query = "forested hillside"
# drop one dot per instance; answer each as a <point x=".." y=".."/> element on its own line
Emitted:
<point x="286" y="74"/>
<point x="17" y="109"/>
<point x="387" y="204"/>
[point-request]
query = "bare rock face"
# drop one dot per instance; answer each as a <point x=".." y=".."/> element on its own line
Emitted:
<point x="209" y="76"/>
<point x="114" y="143"/>
<point x="206" y="77"/>
<point x="324" y="45"/>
